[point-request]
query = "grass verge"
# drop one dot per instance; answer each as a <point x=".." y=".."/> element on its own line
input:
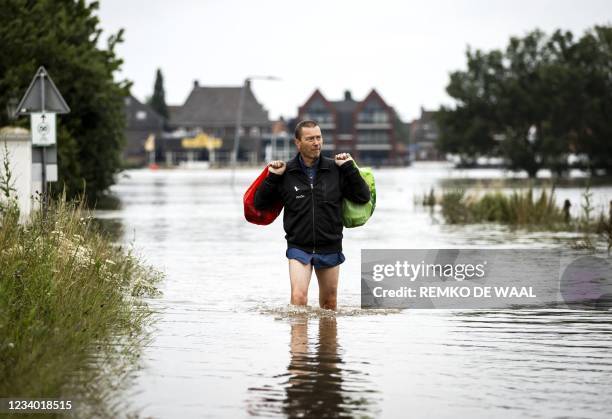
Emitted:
<point x="72" y="314"/>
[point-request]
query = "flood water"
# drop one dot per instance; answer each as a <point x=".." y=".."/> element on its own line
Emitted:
<point x="226" y="343"/>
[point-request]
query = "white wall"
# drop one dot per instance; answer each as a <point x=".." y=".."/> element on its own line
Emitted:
<point x="19" y="149"/>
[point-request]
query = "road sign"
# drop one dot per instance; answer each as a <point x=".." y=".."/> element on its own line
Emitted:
<point x="50" y="159"/>
<point x="41" y="96"/>
<point x="42" y="101"/>
<point x="43" y="128"/>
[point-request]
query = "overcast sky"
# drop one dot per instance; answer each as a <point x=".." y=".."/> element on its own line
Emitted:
<point x="404" y="49"/>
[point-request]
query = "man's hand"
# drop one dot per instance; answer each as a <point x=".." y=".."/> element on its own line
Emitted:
<point x="342" y="158"/>
<point x="277" y="167"/>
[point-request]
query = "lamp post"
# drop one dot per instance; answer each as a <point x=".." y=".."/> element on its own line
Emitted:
<point x="238" y="126"/>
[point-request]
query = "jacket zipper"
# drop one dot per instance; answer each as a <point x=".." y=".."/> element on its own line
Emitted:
<point x="314" y="237"/>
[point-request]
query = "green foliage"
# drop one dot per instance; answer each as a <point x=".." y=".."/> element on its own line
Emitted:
<point x="520" y="208"/>
<point x="7" y="187"/>
<point x="429" y="199"/>
<point x="69" y="300"/>
<point x="454" y="208"/>
<point x="534" y="103"/>
<point x="8" y="201"/>
<point x="63" y="36"/>
<point x="587" y="208"/>
<point x="158" y="100"/>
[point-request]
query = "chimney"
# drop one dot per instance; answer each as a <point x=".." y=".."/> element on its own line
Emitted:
<point x="196" y="83"/>
<point x="347" y="95"/>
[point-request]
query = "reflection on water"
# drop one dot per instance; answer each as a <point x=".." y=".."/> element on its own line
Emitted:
<point x="316" y="383"/>
<point x="226" y="345"/>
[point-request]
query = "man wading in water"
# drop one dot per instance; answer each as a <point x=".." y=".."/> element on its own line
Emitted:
<point x="311" y="188"/>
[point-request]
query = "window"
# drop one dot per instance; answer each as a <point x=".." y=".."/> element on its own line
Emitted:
<point x="322" y="117"/>
<point x="141" y="115"/>
<point x="372" y="117"/>
<point x="373" y="137"/>
<point x="380" y="117"/>
<point x="318" y="111"/>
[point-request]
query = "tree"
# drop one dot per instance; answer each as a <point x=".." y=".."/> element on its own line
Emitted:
<point x="469" y="129"/>
<point x="591" y="62"/>
<point x="158" y="100"/>
<point x="541" y="99"/>
<point x="63" y="36"/>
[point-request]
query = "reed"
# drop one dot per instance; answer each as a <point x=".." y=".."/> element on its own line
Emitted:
<point x="521" y="208"/>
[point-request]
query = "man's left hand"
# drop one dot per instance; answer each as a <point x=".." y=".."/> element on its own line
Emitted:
<point x="342" y="158"/>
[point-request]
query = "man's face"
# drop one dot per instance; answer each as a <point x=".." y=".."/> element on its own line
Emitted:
<point x="310" y="143"/>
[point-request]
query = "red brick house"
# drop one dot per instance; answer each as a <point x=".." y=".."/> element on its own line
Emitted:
<point x="366" y="128"/>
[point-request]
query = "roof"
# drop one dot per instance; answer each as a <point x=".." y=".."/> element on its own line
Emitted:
<point x="344" y="113"/>
<point x="140" y="116"/>
<point x="172" y="110"/>
<point x="426" y="115"/>
<point x="217" y="107"/>
<point x="345" y="109"/>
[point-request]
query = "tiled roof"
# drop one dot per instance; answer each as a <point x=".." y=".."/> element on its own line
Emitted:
<point x="141" y="116"/>
<point x="427" y="115"/>
<point x="217" y="107"/>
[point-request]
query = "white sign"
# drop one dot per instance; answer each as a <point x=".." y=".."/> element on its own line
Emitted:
<point x="43" y="128"/>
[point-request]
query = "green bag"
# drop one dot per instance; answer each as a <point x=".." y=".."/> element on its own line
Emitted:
<point x="353" y="214"/>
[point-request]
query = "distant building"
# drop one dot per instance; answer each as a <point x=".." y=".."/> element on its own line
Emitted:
<point x="365" y="128"/>
<point x="142" y="123"/>
<point x="212" y="111"/>
<point x="278" y="145"/>
<point x="424" y="134"/>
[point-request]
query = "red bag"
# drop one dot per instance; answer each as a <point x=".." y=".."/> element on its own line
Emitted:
<point x="252" y="214"/>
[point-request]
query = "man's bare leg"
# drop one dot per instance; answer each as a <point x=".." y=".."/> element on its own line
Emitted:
<point x="299" y="274"/>
<point x="328" y="286"/>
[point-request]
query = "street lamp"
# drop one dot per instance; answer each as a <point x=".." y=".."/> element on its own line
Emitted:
<point x="245" y="84"/>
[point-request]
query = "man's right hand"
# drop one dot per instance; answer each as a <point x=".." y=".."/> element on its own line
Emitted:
<point x="277" y="167"/>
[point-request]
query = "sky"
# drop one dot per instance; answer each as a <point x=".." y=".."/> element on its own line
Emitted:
<point x="404" y="49"/>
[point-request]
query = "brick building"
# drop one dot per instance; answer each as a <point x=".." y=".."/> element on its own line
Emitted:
<point x="365" y="128"/>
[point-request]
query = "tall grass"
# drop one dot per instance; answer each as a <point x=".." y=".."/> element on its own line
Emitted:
<point x="519" y="208"/>
<point x="522" y="208"/>
<point x="72" y="317"/>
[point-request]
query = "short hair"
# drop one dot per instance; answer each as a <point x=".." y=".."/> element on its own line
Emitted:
<point x="308" y="123"/>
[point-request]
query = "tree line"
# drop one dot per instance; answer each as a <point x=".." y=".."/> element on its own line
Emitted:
<point x="539" y="101"/>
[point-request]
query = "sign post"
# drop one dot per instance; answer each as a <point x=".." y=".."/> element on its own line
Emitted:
<point x="42" y="101"/>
